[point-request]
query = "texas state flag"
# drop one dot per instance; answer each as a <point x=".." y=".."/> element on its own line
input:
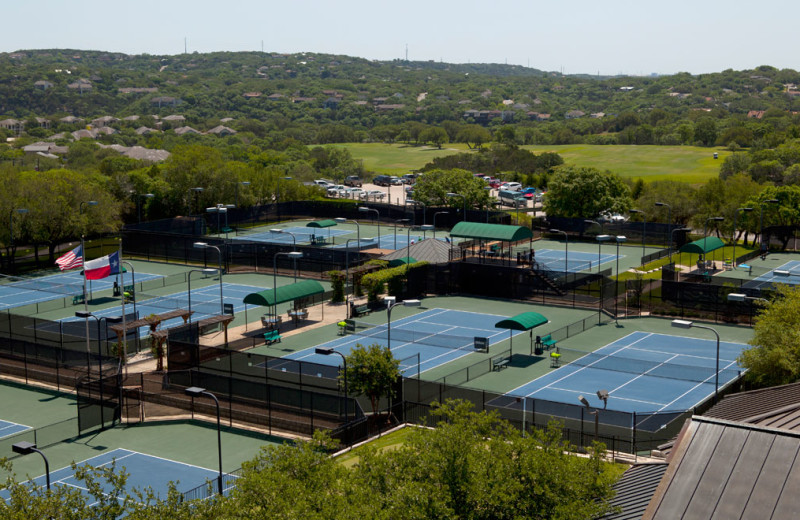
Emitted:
<point x="102" y="267"/>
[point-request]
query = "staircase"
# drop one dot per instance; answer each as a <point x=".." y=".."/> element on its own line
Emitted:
<point x="548" y="276"/>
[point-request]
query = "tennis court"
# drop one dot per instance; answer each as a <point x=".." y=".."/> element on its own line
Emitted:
<point x="10" y="428"/>
<point x="642" y="372"/>
<point x="23" y="291"/>
<point x="301" y="234"/>
<point x="788" y="273"/>
<point x="143" y="471"/>
<point x="422" y="341"/>
<point x="392" y="241"/>
<point x="573" y="261"/>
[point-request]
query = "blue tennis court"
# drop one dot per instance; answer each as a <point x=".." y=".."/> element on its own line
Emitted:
<point x="438" y="336"/>
<point x="573" y="262"/>
<point x="45" y="288"/>
<point x="301" y="234"/>
<point x="643" y="372"/>
<point x="205" y="303"/>
<point x="384" y="241"/>
<point x="143" y="471"/>
<point x="10" y="428"/>
<point x="788" y="273"/>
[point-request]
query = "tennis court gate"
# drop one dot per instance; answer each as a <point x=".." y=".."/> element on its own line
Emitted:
<point x="98" y="402"/>
<point x="620" y="431"/>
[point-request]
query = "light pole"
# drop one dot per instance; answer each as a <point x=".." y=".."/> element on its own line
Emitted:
<point x="434" y="220"/>
<point x="83" y="268"/>
<point x="761" y="223"/>
<point x="391" y="303"/>
<point x="327" y="351"/>
<point x="425" y="228"/>
<point x="403" y="221"/>
<point x="133" y="283"/>
<point x="21" y="211"/>
<point x="197" y="191"/>
<point x="139" y="198"/>
<point x="644" y="226"/>
<point x="600" y="239"/>
<point x="463" y="198"/>
<point x="342" y="220"/>
<point x="594" y="412"/>
<point x="672" y="237"/>
<point x="26" y="448"/>
<point x="590" y="222"/>
<point x="669" y="223"/>
<point x="203" y="245"/>
<point x="364" y="209"/>
<point x="685" y="324"/>
<point x="196" y="391"/>
<point x="424" y="210"/>
<point x="236" y="191"/>
<point x="294" y="246"/>
<point x="294" y="255"/>
<point x="566" y="249"/>
<point x="218" y="209"/>
<point x="113" y="319"/>
<point x="189" y="285"/>
<point x="736" y="214"/>
<point x="705" y="234"/>
<point x="619" y="239"/>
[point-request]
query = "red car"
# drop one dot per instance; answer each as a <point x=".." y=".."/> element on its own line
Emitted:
<point x="494" y="183"/>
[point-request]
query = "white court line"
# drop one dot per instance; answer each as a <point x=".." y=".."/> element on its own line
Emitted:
<point x="643" y="373"/>
<point x="616" y="398"/>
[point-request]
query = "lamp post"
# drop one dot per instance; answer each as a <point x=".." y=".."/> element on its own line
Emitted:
<point x="424" y="210"/>
<point x="619" y="239"/>
<point x="327" y="351"/>
<point x="736" y="214"/>
<point x="463" y="198"/>
<point x="434" y="220"/>
<point x="139" y="198"/>
<point x="364" y="209"/>
<point x="236" y="191"/>
<point x="705" y="234"/>
<point x="83" y="267"/>
<point x="400" y="220"/>
<point x="189" y="285"/>
<point x="196" y="391"/>
<point x="342" y="220"/>
<point x="203" y="245"/>
<point x="566" y="248"/>
<point x="197" y="191"/>
<point x="391" y="303"/>
<point x="685" y="324"/>
<point x="113" y="319"/>
<point x="672" y="236"/>
<point x="294" y="246"/>
<point x="590" y="222"/>
<point x="133" y="283"/>
<point x="594" y="412"/>
<point x="294" y="255"/>
<point x="600" y="239"/>
<point x="761" y="223"/>
<point x="669" y="223"/>
<point x="425" y="228"/>
<point x="21" y="211"/>
<point x="26" y="448"/>
<point x="644" y="226"/>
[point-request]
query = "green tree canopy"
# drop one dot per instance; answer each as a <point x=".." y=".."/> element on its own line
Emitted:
<point x="581" y="192"/>
<point x="432" y="188"/>
<point x="372" y="371"/>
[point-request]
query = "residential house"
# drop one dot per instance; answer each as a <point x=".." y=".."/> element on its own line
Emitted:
<point x="186" y="130"/>
<point x="72" y="120"/>
<point x="275" y="97"/>
<point x="332" y="103"/>
<point x="757" y="114"/>
<point x="251" y="95"/>
<point x="137" y="90"/>
<point x="222" y="131"/>
<point x="164" y="101"/>
<point x="82" y="85"/>
<point x="131" y="118"/>
<point x="574" y="114"/>
<point x="83" y="134"/>
<point x="43" y="84"/>
<point x="301" y="99"/>
<point x="14" y="125"/>
<point x="389" y="106"/>
<point x="143" y="130"/>
<point x="100" y="122"/>
<point x="43" y="122"/>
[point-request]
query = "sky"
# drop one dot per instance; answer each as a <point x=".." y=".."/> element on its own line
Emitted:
<point x="574" y="36"/>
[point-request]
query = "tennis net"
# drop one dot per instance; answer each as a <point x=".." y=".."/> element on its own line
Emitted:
<point x="200" y="305"/>
<point x="40" y="284"/>
<point x="400" y="335"/>
<point x="629" y="365"/>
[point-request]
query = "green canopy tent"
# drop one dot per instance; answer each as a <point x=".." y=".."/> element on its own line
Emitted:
<point x="524" y="321"/>
<point x="286" y="293"/>
<point x="402" y="261"/>
<point x="322" y="224"/>
<point x="492" y="233"/>
<point x="703" y="246"/>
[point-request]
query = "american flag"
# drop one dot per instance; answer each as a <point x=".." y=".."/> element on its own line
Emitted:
<point x="71" y="260"/>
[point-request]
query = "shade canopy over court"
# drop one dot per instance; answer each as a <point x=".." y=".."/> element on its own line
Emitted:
<point x="322" y="223"/>
<point x="402" y="261"/>
<point x="481" y="231"/>
<point x="523" y="321"/>
<point x="702" y="246"/>
<point x="286" y="293"/>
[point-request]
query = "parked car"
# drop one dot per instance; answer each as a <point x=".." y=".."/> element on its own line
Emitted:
<point x="323" y="183"/>
<point x="336" y="190"/>
<point x="382" y="180"/>
<point x="372" y="194"/>
<point x="511" y="186"/>
<point x="409" y="178"/>
<point x="354" y="193"/>
<point x="352" y="180"/>
<point x="494" y="183"/>
<point x="510" y="197"/>
<point x="395" y="180"/>
<point x="529" y="193"/>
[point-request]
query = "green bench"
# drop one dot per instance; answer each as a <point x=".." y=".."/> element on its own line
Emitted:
<point x="548" y="342"/>
<point x="272" y="336"/>
<point x="78" y="298"/>
<point x="361" y="310"/>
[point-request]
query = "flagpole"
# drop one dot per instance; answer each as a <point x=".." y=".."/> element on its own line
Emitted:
<point x="86" y="308"/>
<point x="124" y="327"/>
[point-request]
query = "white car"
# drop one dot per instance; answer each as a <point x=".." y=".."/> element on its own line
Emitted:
<point x="372" y="194"/>
<point x="337" y="190"/>
<point x="511" y="186"/>
<point x="353" y="193"/>
<point x="323" y="183"/>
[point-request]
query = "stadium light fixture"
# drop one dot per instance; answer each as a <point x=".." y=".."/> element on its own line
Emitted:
<point x="686" y="324"/>
<point x="196" y="391"/>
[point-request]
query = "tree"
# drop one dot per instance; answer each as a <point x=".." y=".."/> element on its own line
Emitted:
<point x="435" y="135"/>
<point x="774" y="355"/>
<point x="372" y="371"/>
<point x="581" y="192"/>
<point x="432" y="188"/>
<point x="474" y="136"/>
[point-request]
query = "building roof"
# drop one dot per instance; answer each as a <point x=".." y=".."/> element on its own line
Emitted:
<point x="756" y="405"/>
<point x="722" y="469"/>
<point x="523" y="321"/>
<point x="146" y="154"/>
<point x="483" y="231"/>
<point x="285" y="293"/>
<point x="429" y="250"/>
<point x="634" y="490"/>
<point x="702" y="246"/>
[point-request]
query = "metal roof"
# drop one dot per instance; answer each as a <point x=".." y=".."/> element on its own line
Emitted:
<point x="524" y="321"/>
<point x="286" y="293"/>
<point x="634" y="490"/>
<point x="744" y="405"/>
<point x="722" y="469"/>
<point x="429" y="250"/>
<point x="490" y="231"/>
<point x="702" y="246"/>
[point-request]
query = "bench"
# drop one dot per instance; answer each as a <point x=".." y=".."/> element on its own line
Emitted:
<point x="500" y="364"/>
<point x="226" y="230"/>
<point x="272" y="336"/>
<point x="361" y="310"/>
<point x="548" y="342"/>
<point x="555" y="359"/>
<point x="78" y="298"/>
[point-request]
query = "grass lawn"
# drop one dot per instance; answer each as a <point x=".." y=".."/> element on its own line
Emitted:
<point x="385" y="442"/>
<point x="682" y="163"/>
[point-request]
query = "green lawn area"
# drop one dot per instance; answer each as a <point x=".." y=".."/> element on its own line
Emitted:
<point x="679" y="163"/>
<point x="682" y="163"/>
<point x="384" y="442"/>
